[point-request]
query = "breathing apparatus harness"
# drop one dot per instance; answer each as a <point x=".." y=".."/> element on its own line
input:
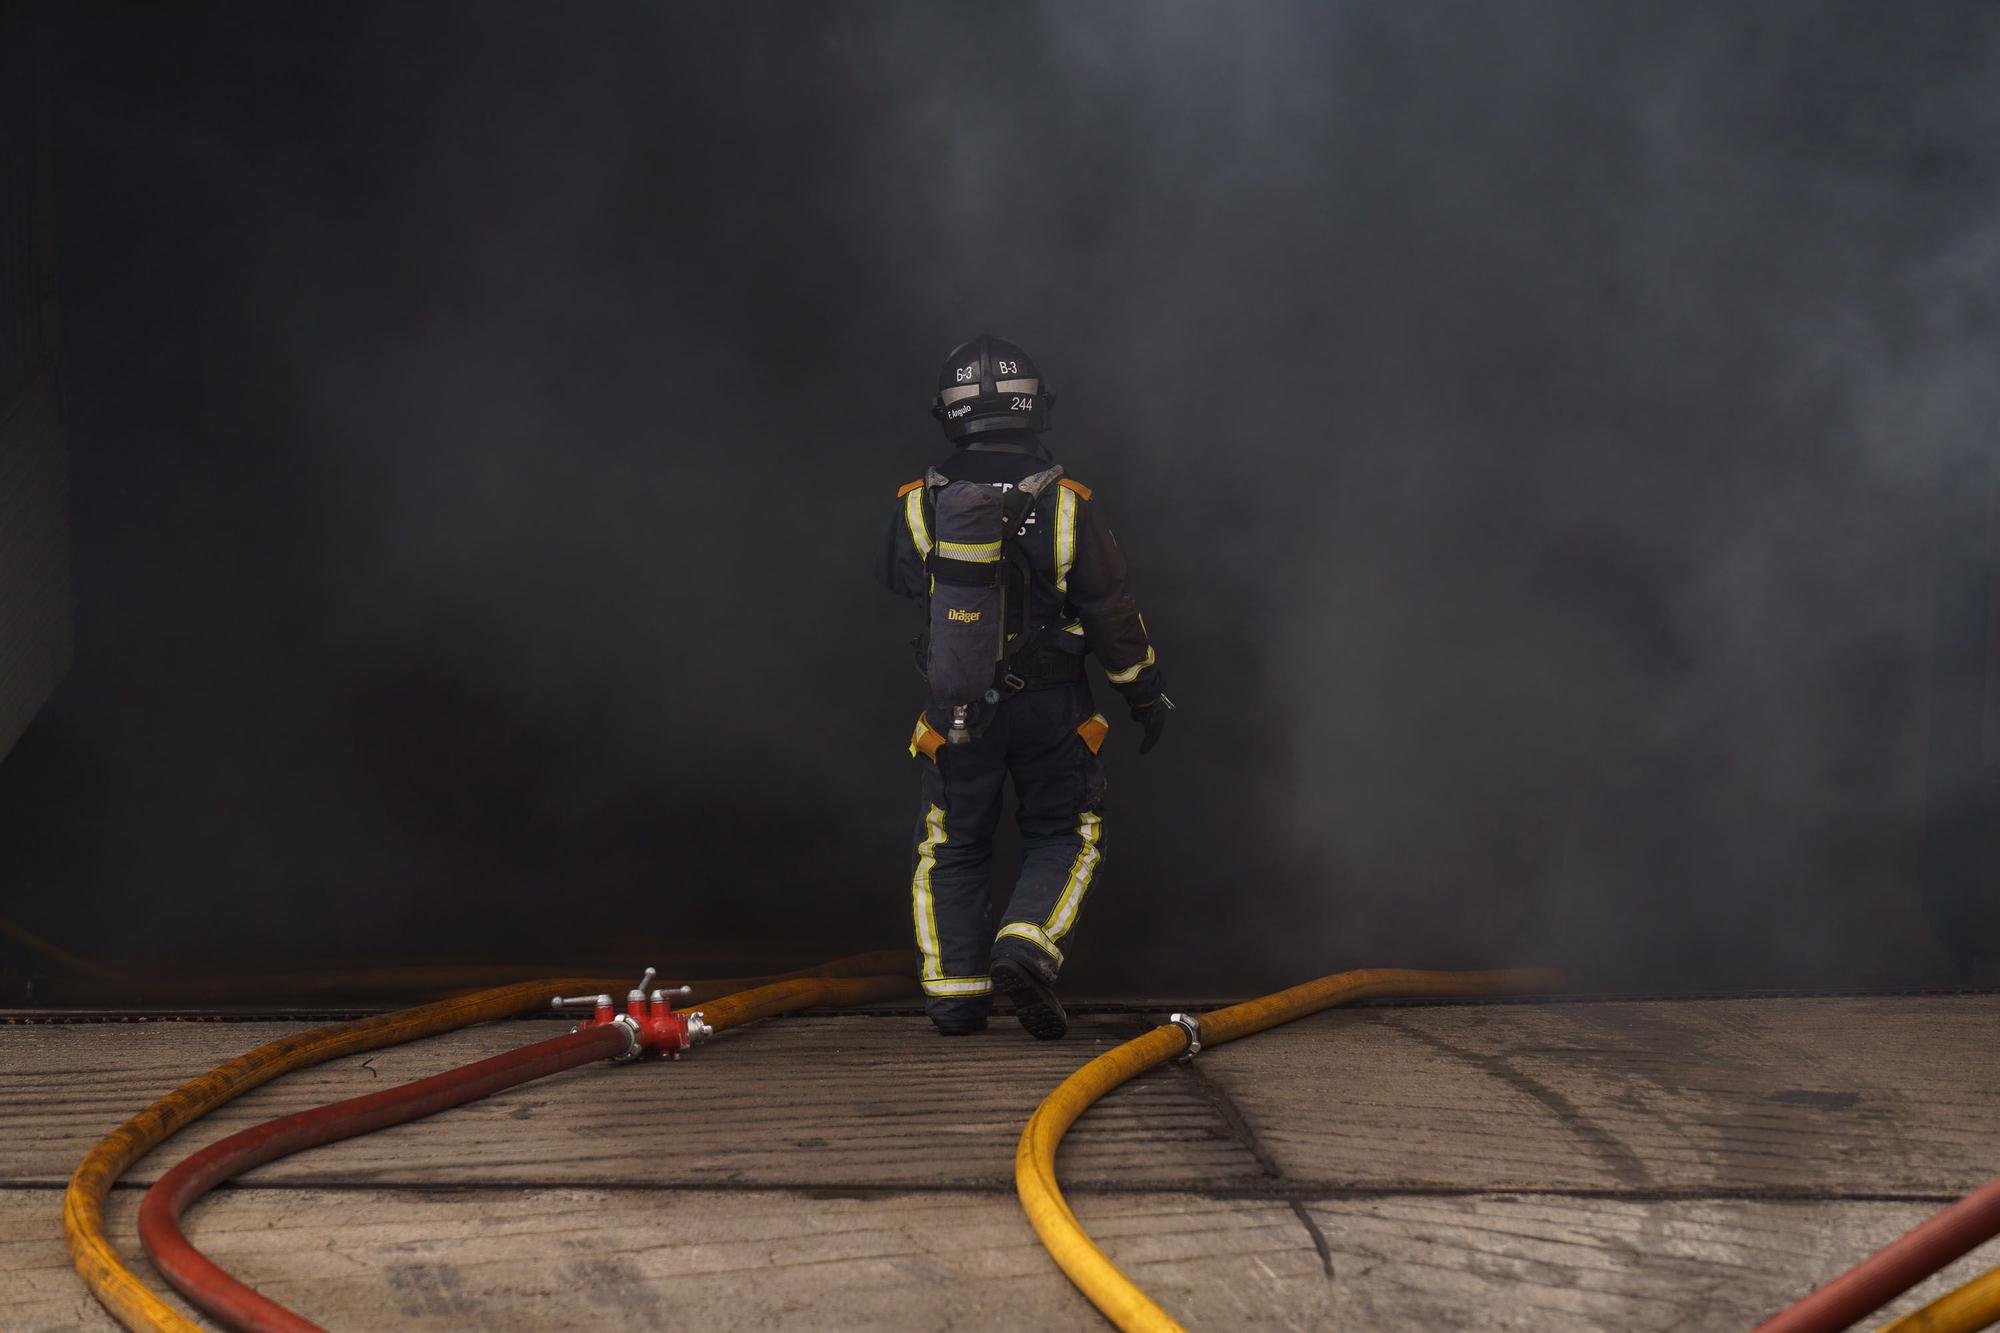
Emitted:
<point x="975" y="564"/>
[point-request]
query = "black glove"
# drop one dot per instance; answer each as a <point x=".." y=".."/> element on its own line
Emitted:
<point x="1152" y="715"/>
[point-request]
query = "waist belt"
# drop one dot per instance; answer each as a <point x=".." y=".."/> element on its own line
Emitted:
<point x="1040" y="668"/>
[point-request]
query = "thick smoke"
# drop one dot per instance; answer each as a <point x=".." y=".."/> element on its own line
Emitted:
<point x="1525" y="423"/>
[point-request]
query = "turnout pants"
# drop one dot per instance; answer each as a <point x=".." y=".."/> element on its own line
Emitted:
<point x="1047" y="741"/>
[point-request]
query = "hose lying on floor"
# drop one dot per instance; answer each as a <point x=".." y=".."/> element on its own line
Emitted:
<point x="136" y="1305"/>
<point x="210" y="1288"/>
<point x="1974" y="1306"/>
<point x="1893" y="1270"/>
<point x="1122" y="1302"/>
<point x="238" y="1305"/>
<point x="63" y="958"/>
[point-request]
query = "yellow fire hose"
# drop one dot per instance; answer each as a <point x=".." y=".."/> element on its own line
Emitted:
<point x="1122" y="1302"/>
<point x="855" y="980"/>
<point x="62" y="958"/>
<point x="1974" y="1306"/>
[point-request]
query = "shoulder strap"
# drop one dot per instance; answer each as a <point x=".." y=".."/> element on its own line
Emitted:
<point x="1041" y="481"/>
<point x="1014" y="507"/>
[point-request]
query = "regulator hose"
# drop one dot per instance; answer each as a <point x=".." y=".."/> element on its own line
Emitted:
<point x="1121" y="1300"/>
<point x="1893" y="1270"/>
<point x="137" y="1306"/>
<point x="238" y="1305"/>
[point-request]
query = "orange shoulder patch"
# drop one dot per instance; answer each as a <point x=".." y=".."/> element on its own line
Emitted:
<point x="1071" y="484"/>
<point x="907" y="487"/>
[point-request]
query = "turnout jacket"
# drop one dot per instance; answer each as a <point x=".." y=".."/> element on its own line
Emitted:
<point x="1079" y="600"/>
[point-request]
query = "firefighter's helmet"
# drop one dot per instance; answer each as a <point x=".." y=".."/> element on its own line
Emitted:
<point x="990" y="384"/>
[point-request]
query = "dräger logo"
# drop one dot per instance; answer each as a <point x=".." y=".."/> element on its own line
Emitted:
<point x="964" y="617"/>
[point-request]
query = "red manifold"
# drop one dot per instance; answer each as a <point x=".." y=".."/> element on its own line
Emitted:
<point x="654" y="1027"/>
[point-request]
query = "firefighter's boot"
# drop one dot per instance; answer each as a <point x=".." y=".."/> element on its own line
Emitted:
<point x="1031" y="987"/>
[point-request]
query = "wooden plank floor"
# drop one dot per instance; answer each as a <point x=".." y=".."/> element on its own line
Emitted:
<point x="1632" y="1165"/>
<point x="585" y="1259"/>
<point x="1865" y="1096"/>
<point x="845" y="1101"/>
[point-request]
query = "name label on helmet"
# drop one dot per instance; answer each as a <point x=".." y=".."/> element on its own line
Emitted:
<point x="964" y="617"/>
<point x="958" y="412"/>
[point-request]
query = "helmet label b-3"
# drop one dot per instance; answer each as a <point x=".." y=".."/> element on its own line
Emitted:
<point x="990" y="384"/>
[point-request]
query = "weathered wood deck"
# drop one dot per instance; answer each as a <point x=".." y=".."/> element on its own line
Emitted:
<point x="1632" y="1165"/>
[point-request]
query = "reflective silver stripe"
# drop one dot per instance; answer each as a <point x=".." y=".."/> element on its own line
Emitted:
<point x="922" y="907"/>
<point x="958" y="393"/>
<point x="1130" y="674"/>
<point x="1065" y="536"/>
<point x="958" y="986"/>
<point x="1034" y="935"/>
<point x="1089" y="828"/>
<point x="979" y="553"/>
<point x="913" y="514"/>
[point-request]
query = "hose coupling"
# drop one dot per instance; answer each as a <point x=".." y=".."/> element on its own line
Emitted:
<point x="1191" y="1025"/>
<point x="632" y="1038"/>
<point x="698" y="1028"/>
<point x="651" y="1027"/>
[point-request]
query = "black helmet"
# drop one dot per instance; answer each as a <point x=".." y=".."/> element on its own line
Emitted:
<point x="990" y="384"/>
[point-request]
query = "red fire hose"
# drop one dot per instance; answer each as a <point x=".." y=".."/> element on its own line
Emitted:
<point x="240" y="1306"/>
<point x="1887" y="1274"/>
<point x="647" y="1027"/>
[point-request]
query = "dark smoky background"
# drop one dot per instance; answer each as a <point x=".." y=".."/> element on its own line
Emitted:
<point x="1528" y="425"/>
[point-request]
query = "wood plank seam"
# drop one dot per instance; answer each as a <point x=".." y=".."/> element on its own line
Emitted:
<point x="1239" y="1126"/>
<point x="1610" y="1150"/>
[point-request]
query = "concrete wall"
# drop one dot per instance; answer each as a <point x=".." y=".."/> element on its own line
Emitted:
<point x="35" y="616"/>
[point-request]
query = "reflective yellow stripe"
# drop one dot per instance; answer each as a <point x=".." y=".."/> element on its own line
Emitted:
<point x="1065" y="536"/>
<point x="1089" y="828"/>
<point x="983" y="553"/>
<point x="959" y="986"/>
<point x="1130" y="674"/>
<point x="921" y="904"/>
<point x="1034" y="935"/>
<point x="1074" y="627"/>
<point x="913" y="514"/>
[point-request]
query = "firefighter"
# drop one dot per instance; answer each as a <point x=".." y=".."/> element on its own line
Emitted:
<point x="1054" y="591"/>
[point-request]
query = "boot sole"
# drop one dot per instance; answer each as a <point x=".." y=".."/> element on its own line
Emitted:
<point x="1040" y="1012"/>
